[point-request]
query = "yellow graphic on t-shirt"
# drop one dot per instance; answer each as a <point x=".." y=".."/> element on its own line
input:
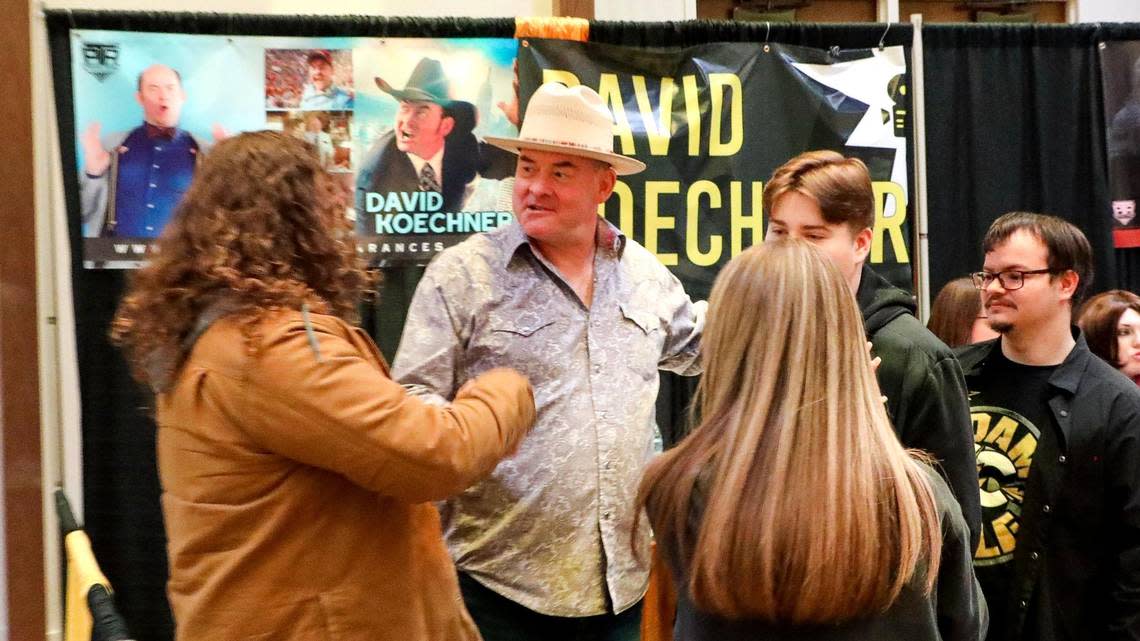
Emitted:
<point x="1004" y="443"/>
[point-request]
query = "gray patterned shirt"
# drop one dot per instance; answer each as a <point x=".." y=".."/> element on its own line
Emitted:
<point x="550" y="528"/>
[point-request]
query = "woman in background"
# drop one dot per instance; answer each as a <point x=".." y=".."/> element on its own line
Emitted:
<point x="791" y="512"/>
<point x="295" y="472"/>
<point x="1111" y="323"/>
<point x="956" y="317"/>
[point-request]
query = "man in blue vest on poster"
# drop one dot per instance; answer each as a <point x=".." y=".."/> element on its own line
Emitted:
<point x="131" y="181"/>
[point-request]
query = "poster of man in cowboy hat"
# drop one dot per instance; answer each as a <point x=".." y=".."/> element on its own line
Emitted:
<point x="431" y="159"/>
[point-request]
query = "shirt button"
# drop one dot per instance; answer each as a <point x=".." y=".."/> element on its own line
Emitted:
<point x="609" y="466"/>
<point x="1061" y="459"/>
<point x="606" y="515"/>
<point x="157" y="148"/>
<point x="154" y="166"/>
<point x="1035" y="556"/>
<point x="149" y="228"/>
<point x="597" y="368"/>
<point x="1047" y="508"/>
<point x="153" y="185"/>
<point x="150" y="205"/>
<point x="1064" y="412"/>
<point x="1023" y="604"/>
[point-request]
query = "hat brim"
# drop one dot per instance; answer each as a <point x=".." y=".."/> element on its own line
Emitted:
<point x="411" y="95"/>
<point x="623" y="165"/>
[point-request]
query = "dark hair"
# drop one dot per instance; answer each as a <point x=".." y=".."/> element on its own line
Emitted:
<point x="261" y="228"/>
<point x="1067" y="245"/>
<point x="1098" y="319"/>
<point x="176" y="75"/>
<point x="954" y="311"/>
<point x="840" y="185"/>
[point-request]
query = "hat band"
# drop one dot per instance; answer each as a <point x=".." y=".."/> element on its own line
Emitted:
<point x="565" y="143"/>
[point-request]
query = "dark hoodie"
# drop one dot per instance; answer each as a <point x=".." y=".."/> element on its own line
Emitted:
<point x="925" y="389"/>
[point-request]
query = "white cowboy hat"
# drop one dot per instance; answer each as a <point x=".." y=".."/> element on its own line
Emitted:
<point x="569" y="120"/>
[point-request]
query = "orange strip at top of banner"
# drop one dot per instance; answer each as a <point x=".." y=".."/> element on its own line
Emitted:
<point x="554" y="28"/>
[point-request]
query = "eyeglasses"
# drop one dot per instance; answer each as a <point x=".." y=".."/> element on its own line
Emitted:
<point x="1009" y="279"/>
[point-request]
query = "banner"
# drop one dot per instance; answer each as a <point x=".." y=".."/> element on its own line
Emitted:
<point x="399" y="124"/>
<point x="1120" y="73"/>
<point x="377" y="111"/>
<point x="713" y="121"/>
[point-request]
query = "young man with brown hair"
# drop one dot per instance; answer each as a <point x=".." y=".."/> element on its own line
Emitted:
<point x="827" y="199"/>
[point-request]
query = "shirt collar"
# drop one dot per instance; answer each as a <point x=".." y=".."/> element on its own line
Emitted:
<point x="607" y="237"/>
<point x="1068" y="374"/>
<point x="436" y="162"/>
<point x="155" y="131"/>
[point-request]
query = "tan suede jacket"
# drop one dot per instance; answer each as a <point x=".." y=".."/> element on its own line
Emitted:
<point x="296" y="478"/>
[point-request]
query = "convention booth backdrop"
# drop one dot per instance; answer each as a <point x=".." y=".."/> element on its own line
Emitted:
<point x="1015" y="120"/>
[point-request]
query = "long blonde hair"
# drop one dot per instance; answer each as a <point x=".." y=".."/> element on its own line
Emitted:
<point x="810" y="511"/>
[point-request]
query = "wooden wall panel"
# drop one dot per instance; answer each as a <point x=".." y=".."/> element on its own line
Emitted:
<point x="19" y="362"/>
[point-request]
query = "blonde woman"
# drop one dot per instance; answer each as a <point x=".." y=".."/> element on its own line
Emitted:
<point x="792" y="512"/>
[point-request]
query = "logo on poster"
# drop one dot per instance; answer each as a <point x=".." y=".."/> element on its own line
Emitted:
<point x="1124" y="211"/>
<point x="100" y="60"/>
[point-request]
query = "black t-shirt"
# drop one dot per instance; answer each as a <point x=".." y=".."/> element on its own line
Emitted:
<point x="1012" y="423"/>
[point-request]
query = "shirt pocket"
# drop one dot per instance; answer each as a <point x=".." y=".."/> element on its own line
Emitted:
<point x="641" y="340"/>
<point x="528" y="343"/>
<point x="524" y="328"/>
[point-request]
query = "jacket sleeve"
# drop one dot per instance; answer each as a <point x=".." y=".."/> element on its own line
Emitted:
<point x="339" y="411"/>
<point x="933" y="414"/>
<point x="962" y="611"/>
<point x="1124" y="488"/>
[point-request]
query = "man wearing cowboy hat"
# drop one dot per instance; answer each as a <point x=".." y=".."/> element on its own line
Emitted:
<point x="431" y="147"/>
<point x="589" y="316"/>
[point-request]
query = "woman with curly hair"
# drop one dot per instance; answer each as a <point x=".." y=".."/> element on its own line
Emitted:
<point x="792" y="512"/>
<point x="295" y="472"/>
<point x="1111" y="323"/>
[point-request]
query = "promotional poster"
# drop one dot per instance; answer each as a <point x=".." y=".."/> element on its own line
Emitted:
<point x="148" y="106"/>
<point x="1120" y="72"/>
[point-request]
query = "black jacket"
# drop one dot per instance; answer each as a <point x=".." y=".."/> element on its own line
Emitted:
<point x="954" y="611"/>
<point x="926" y="394"/>
<point x="1077" y="561"/>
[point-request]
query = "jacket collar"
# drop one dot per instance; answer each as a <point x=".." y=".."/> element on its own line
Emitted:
<point x="1066" y="377"/>
<point x="162" y="365"/>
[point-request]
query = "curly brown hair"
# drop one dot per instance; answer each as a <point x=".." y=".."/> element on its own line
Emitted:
<point x="260" y="229"/>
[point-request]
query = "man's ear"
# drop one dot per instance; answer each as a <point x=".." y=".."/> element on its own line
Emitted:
<point x="1069" y="281"/>
<point x="863" y="244"/>
<point x="446" y="125"/>
<point x="606" y="183"/>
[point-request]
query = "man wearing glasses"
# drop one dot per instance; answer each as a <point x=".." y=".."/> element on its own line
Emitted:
<point x="1057" y="434"/>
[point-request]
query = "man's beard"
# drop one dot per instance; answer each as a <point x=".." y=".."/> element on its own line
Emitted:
<point x="1001" y="327"/>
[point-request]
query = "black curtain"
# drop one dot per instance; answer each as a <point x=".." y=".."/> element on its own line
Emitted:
<point x="1015" y="121"/>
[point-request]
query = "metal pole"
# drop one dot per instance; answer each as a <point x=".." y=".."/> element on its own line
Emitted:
<point x="918" y="113"/>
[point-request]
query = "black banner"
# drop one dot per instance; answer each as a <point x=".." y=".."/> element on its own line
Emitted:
<point x="712" y="122"/>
